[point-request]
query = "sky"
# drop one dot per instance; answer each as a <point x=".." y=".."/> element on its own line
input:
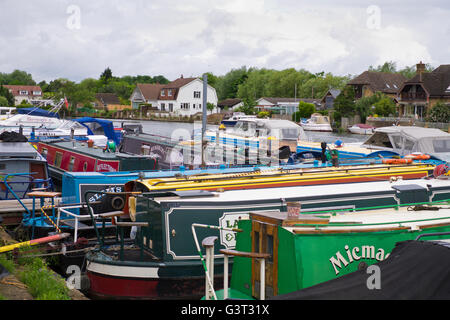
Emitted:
<point x="78" y="39"/>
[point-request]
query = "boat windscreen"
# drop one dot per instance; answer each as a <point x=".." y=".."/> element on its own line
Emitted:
<point x="441" y="145"/>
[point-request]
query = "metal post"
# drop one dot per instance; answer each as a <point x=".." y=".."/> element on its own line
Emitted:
<point x="225" y="277"/>
<point x="204" y="109"/>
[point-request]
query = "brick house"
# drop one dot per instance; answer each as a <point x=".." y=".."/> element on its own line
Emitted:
<point x="419" y="94"/>
<point x="25" y="93"/>
<point x="369" y="82"/>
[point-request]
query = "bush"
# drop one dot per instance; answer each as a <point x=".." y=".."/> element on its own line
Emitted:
<point x="440" y="112"/>
<point x="306" y="109"/>
<point x="263" y="114"/>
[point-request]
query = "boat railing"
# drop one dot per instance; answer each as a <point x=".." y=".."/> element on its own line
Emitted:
<point x="103" y="217"/>
<point x="77" y="217"/>
<point x="208" y="261"/>
<point x="31" y="182"/>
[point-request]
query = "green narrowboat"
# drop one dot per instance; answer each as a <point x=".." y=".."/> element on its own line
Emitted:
<point x="301" y="251"/>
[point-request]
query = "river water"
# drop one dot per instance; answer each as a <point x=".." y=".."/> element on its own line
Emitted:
<point x="176" y="129"/>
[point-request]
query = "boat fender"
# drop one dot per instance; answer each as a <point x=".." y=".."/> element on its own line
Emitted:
<point x="396" y="161"/>
<point x="442" y="171"/>
<point x="132" y="208"/>
<point x="418" y="156"/>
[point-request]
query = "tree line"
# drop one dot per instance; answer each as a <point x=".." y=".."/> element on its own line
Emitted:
<point x="248" y="84"/>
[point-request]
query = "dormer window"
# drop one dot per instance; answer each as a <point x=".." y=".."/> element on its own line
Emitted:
<point x="23" y="92"/>
<point x="169" y="92"/>
<point x="36" y="93"/>
<point x="162" y="93"/>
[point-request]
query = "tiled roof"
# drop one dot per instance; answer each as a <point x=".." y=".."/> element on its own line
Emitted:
<point x="150" y="91"/>
<point x="287" y="100"/>
<point x="380" y="81"/>
<point x="437" y="82"/>
<point x="16" y="89"/>
<point x="108" y="98"/>
<point x="228" y="102"/>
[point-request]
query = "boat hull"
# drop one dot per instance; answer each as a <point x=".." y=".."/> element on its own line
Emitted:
<point x="109" y="281"/>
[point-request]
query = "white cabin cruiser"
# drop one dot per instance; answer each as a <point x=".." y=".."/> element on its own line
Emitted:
<point x="42" y="126"/>
<point x="260" y="133"/>
<point x="406" y="140"/>
<point x="317" y="122"/>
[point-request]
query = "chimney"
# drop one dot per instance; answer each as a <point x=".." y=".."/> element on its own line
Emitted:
<point x="181" y="77"/>
<point x="420" y="68"/>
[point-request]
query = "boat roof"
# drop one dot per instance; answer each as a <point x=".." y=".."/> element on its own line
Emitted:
<point x="273" y="123"/>
<point x="17" y="150"/>
<point x="353" y="190"/>
<point x="37" y="112"/>
<point x="93" y="152"/>
<point x="414" y="132"/>
<point x="107" y="125"/>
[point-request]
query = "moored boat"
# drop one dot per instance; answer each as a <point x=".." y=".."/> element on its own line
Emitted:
<point x="278" y="254"/>
<point x="361" y="128"/>
<point x="405" y="140"/>
<point x="317" y="122"/>
<point x="235" y="117"/>
<point x="163" y="264"/>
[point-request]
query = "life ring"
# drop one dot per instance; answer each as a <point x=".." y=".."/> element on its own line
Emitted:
<point x="397" y="161"/>
<point x="418" y="156"/>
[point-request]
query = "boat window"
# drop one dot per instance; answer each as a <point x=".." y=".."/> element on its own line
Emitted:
<point x="409" y="145"/>
<point x="397" y="142"/>
<point x="270" y="246"/>
<point x="290" y="134"/>
<point x="44" y="152"/>
<point x="441" y="145"/>
<point x="2" y="166"/>
<point x="256" y="241"/>
<point x="58" y="159"/>
<point x="85" y="166"/>
<point x="71" y="163"/>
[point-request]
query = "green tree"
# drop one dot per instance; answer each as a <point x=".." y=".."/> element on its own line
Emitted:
<point x="306" y="109"/>
<point x="344" y="103"/>
<point x="4" y="92"/>
<point x="228" y="85"/>
<point x="385" y="107"/>
<point x="3" y="102"/>
<point x="17" y="77"/>
<point x="106" y="75"/>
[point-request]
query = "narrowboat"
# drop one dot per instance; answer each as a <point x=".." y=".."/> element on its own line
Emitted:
<point x="163" y="263"/>
<point x="22" y="169"/>
<point x="395" y="278"/>
<point x="291" y="177"/>
<point x="280" y="253"/>
<point x="74" y="156"/>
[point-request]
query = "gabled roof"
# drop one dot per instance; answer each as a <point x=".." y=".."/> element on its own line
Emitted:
<point x="436" y="83"/>
<point x="228" y="102"/>
<point x="288" y="100"/>
<point x="150" y="91"/>
<point x="178" y="83"/>
<point x="333" y="92"/>
<point x="16" y="89"/>
<point x="108" y="98"/>
<point x="380" y="81"/>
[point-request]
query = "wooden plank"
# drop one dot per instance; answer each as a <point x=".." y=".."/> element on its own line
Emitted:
<point x="132" y="224"/>
<point x="235" y="253"/>
<point x="348" y="230"/>
<point x="44" y="194"/>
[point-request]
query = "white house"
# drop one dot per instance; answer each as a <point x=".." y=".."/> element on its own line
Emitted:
<point x="184" y="96"/>
<point x="29" y="94"/>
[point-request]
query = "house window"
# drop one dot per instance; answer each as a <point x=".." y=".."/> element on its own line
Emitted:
<point x="169" y="92"/>
<point x="36" y="93"/>
<point x="163" y="107"/>
<point x="185" y="106"/>
<point x="170" y="107"/>
<point x="23" y="92"/>
<point x="162" y="93"/>
<point x="196" y="94"/>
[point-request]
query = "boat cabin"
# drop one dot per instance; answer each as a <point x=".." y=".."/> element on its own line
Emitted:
<point x="22" y="168"/>
<point x="407" y="140"/>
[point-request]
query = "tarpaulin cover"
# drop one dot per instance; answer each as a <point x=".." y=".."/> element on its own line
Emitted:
<point x="37" y="112"/>
<point x="108" y="127"/>
<point x="415" y="270"/>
